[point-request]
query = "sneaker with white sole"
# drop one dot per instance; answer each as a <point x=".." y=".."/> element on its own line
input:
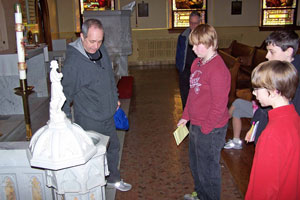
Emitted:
<point x="192" y="196"/>
<point x="231" y="144"/>
<point x="120" y="185"/>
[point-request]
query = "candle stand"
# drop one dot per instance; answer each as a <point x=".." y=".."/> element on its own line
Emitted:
<point x="23" y="90"/>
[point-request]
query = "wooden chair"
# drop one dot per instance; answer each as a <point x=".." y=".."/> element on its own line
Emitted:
<point x="233" y="65"/>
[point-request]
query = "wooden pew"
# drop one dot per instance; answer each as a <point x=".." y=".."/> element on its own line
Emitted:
<point x="259" y="57"/>
<point x="244" y="76"/>
<point x="233" y="65"/>
<point x="241" y="51"/>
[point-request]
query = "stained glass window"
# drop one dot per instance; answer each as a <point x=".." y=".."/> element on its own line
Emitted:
<point x="278" y="13"/>
<point x="96" y="5"/>
<point x="181" y="10"/>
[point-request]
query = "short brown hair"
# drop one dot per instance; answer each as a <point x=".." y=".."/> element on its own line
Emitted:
<point x="284" y="39"/>
<point x="87" y="24"/>
<point x="276" y="75"/>
<point x="204" y="34"/>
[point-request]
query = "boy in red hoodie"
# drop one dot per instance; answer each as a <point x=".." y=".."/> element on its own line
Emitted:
<point x="275" y="170"/>
<point x="206" y="109"/>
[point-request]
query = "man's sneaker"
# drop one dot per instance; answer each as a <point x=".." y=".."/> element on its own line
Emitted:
<point x="231" y="144"/>
<point x="192" y="196"/>
<point x="120" y="185"/>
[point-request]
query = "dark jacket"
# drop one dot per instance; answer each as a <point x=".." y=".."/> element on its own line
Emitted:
<point x="296" y="99"/>
<point x="182" y="43"/>
<point x="90" y="86"/>
<point x="261" y="114"/>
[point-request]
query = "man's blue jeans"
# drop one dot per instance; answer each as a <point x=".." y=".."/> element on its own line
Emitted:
<point x="204" y="152"/>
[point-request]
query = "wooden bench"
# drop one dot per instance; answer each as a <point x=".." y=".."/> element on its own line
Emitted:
<point x="233" y="65"/>
<point x="249" y="57"/>
<point x="241" y="51"/>
<point x="244" y="76"/>
<point x="244" y="53"/>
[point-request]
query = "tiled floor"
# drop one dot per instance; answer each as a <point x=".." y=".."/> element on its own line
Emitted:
<point x="151" y="161"/>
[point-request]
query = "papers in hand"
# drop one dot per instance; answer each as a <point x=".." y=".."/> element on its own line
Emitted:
<point x="180" y="133"/>
<point x="251" y="134"/>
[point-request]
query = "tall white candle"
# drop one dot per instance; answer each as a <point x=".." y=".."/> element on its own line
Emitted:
<point x="22" y="74"/>
<point x="20" y="47"/>
<point x="19" y="39"/>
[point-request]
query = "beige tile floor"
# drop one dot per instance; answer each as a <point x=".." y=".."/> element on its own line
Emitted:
<point x="150" y="161"/>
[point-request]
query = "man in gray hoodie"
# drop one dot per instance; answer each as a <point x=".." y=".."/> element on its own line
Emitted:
<point x="89" y="85"/>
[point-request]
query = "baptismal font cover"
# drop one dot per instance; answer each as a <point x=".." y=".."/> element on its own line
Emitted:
<point x="74" y="159"/>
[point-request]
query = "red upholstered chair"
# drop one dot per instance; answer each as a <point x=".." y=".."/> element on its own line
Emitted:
<point x="125" y="87"/>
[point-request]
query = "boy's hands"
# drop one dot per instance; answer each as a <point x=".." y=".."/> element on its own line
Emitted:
<point x="248" y="135"/>
<point x="182" y="122"/>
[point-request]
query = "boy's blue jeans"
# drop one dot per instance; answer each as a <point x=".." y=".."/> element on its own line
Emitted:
<point x="204" y="152"/>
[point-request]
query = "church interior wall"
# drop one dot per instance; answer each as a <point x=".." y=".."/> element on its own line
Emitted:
<point x="152" y="32"/>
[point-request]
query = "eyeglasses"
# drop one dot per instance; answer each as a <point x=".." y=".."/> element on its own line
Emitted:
<point x="255" y="89"/>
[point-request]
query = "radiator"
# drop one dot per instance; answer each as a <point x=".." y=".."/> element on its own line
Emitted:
<point x="163" y="49"/>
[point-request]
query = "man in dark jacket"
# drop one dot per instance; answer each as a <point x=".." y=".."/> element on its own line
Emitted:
<point x="90" y="85"/>
<point x="185" y="57"/>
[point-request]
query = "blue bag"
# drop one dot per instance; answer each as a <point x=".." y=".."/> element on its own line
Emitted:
<point x="121" y="120"/>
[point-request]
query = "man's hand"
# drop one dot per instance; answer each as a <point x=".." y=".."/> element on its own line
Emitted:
<point x="182" y="122"/>
<point x="119" y="104"/>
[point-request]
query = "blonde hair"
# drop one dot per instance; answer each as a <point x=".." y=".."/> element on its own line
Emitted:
<point x="204" y="34"/>
<point x="276" y="75"/>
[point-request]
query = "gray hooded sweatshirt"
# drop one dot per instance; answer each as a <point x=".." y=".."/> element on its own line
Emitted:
<point x="90" y="86"/>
